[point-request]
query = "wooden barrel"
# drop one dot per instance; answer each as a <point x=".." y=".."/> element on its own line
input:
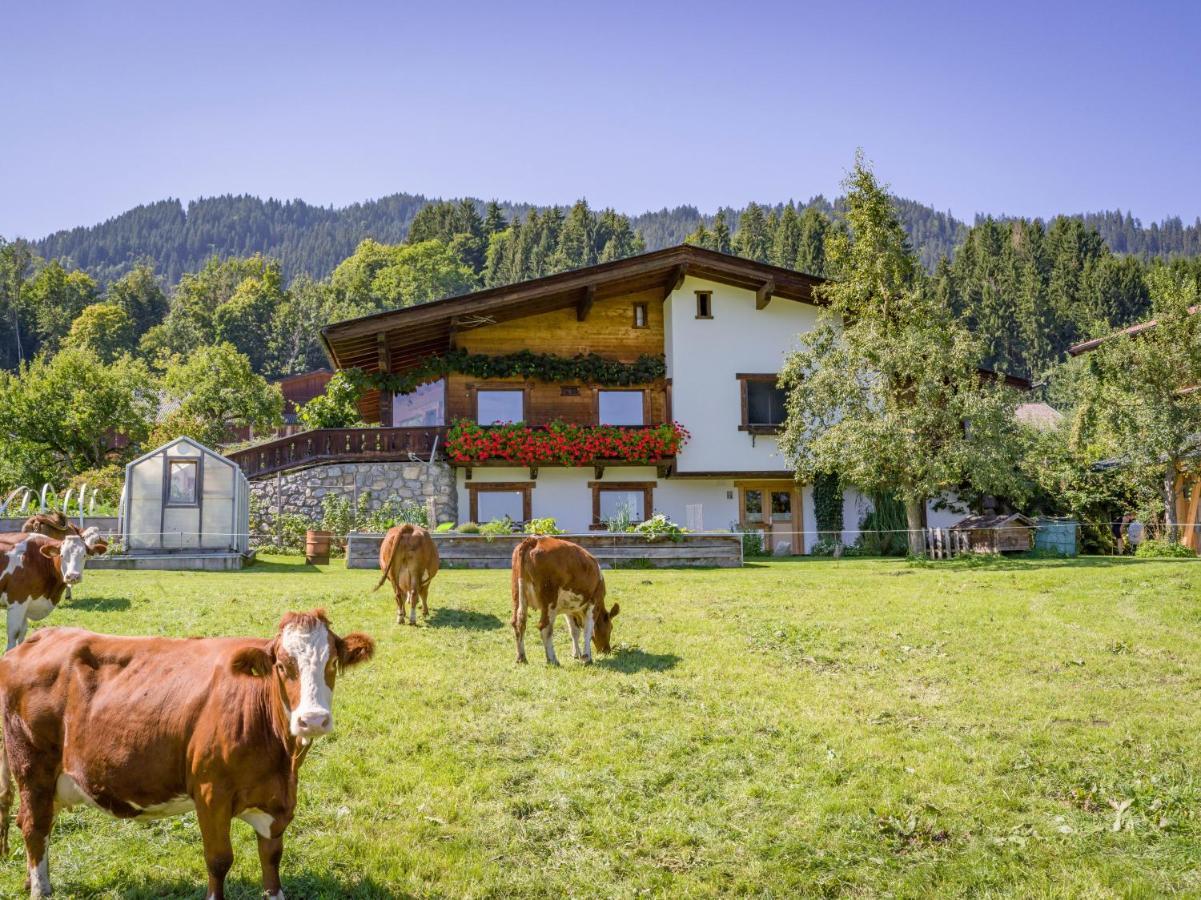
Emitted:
<point x="316" y="547"/>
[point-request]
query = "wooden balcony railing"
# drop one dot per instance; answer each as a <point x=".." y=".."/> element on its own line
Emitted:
<point x="325" y="445"/>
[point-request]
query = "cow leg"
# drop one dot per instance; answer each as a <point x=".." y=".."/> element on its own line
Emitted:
<point x="412" y="606"/>
<point x="6" y="800"/>
<point x="271" y="850"/>
<point x="575" y="635"/>
<point x="17" y="624"/>
<point x="399" y="596"/>
<point x="425" y="598"/>
<point x="546" y="626"/>
<point x="36" y="818"/>
<point x="213" y="817"/>
<point x="589" y="626"/>
<point x="520" y="614"/>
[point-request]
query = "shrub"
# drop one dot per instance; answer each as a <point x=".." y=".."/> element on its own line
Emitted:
<point x="497" y="526"/>
<point x="659" y="526"/>
<point x="621" y="521"/>
<point x="827" y="506"/>
<point x="543" y="526"/>
<point x="884" y="530"/>
<point x="752" y="541"/>
<point x="468" y="528"/>
<point x="1163" y="548"/>
<point x="336" y="515"/>
<point x="445" y="527"/>
<point x="290" y="531"/>
<point x="393" y="512"/>
<point x="107" y="482"/>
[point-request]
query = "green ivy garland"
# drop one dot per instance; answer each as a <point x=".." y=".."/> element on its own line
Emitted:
<point x="588" y="368"/>
<point x="827" y="506"/>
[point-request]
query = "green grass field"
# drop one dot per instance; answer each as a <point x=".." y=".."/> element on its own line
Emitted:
<point x="864" y="728"/>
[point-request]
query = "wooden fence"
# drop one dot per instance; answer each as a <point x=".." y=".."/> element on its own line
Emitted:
<point x="324" y="445"/>
<point x="943" y="543"/>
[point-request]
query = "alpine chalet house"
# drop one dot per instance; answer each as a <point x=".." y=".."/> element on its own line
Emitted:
<point x="645" y="385"/>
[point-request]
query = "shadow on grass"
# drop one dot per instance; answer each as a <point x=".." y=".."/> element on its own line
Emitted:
<point x="634" y="660"/>
<point x="276" y="566"/>
<point x="99" y="604"/>
<point x="1008" y="563"/>
<point x="441" y="617"/>
<point x="308" y="886"/>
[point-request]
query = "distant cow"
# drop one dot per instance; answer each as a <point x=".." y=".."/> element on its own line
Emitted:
<point x="57" y="526"/>
<point x="148" y="727"/>
<point x="556" y="577"/>
<point x="409" y="559"/>
<point x="35" y="572"/>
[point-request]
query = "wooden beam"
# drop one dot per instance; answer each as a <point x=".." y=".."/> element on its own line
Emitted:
<point x="533" y="473"/>
<point x="599" y="472"/>
<point x="383" y="358"/>
<point x="763" y="295"/>
<point x="584" y="306"/>
<point x="676" y="280"/>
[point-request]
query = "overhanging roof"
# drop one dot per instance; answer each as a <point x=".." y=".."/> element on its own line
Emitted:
<point x="1088" y="346"/>
<point x="396" y="339"/>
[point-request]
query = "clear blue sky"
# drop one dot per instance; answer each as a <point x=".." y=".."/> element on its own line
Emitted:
<point x="1030" y="108"/>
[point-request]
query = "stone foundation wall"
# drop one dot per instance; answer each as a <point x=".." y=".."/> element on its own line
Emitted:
<point x="303" y="492"/>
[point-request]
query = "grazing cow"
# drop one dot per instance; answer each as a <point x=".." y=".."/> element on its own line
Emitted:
<point x="409" y="559"/>
<point x="561" y="577"/>
<point x="35" y="572"/>
<point x="149" y="727"/>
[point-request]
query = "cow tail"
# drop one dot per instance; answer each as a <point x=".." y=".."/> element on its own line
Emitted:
<point x="521" y="561"/>
<point x="388" y="570"/>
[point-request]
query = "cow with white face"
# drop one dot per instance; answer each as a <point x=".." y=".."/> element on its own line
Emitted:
<point x="149" y="727"/>
<point x="35" y="573"/>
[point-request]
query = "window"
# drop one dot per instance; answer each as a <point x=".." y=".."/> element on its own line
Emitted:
<point x="620" y="408"/>
<point x="640" y="320"/>
<point x="704" y="304"/>
<point x="753" y="505"/>
<point x="628" y="500"/>
<point x="499" y="499"/>
<point x="494" y="407"/>
<point x="424" y="406"/>
<point x="763" y="404"/>
<point x="182" y="482"/>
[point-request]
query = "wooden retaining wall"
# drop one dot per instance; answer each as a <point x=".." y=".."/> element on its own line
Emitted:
<point x="612" y="550"/>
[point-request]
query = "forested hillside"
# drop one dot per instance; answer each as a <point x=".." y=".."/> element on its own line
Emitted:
<point x="312" y="240"/>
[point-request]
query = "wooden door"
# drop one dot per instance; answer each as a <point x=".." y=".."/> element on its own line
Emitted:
<point x="773" y="508"/>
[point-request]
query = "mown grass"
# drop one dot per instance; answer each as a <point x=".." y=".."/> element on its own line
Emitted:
<point x="854" y="727"/>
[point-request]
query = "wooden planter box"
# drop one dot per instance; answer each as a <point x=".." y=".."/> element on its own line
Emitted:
<point x="469" y="551"/>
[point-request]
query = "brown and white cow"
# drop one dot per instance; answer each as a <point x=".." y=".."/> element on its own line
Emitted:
<point x="35" y="573"/>
<point x="557" y="576"/>
<point x="409" y="559"/>
<point x="57" y="526"/>
<point x="148" y="727"/>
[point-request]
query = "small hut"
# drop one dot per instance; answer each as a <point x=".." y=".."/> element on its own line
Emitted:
<point x="994" y="532"/>
<point x="185" y="507"/>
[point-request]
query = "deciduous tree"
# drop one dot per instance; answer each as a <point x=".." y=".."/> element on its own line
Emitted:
<point x="886" y="391"/>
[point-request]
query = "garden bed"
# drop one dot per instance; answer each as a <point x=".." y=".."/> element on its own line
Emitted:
<point x="473" y="551"/>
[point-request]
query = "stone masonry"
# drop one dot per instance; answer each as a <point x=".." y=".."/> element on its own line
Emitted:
<point x="303" y="491"/>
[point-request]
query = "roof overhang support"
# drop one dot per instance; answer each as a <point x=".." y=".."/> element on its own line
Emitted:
<point x="676" y="281"/>
<point x="383" y="357"/>
<point x="584" y="305"/>
<point x="763" y="295"/>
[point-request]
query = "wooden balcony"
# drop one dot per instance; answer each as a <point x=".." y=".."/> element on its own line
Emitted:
<point x="331" y="445"/>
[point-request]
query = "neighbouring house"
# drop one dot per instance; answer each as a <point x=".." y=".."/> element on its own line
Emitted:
<point x="660" y="370"/>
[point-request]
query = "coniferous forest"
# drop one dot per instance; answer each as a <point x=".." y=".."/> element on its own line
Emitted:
<point x="160" y="280"/>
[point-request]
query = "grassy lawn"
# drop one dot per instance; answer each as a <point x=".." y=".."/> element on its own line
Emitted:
<point x="871" y="728"/>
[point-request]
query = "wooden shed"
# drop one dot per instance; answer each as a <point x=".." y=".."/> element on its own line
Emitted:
<point x="997" y="532"/>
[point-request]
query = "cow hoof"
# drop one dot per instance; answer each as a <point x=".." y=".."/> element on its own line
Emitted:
<point x="521" y="660"/>
<point x="587" y="660"/>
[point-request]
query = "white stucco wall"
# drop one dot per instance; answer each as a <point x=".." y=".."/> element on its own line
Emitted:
<point x="704" y="355"/>
<point x="564" y="495"/>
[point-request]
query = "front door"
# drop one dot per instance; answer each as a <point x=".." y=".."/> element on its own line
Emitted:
<point x="774" y="509"/>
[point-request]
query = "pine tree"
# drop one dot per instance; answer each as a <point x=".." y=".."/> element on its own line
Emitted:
<point x="721" y="233"/>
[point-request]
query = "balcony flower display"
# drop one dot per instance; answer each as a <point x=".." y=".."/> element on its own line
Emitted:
<point x="562" y="444"/>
